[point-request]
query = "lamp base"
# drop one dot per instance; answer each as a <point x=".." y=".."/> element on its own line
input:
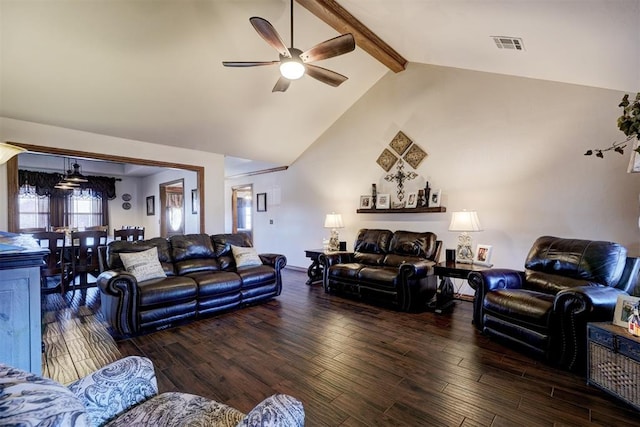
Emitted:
<point x="464" y="254"/>
<point x="334" y="241"/>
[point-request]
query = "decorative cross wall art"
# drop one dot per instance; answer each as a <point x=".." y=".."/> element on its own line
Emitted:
<point x="413" y="155"/>
<point x="401" y="144"/>
<point x="400" y="177"/>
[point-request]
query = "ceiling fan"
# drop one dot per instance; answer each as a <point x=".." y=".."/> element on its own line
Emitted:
<point x="294" y="63"/>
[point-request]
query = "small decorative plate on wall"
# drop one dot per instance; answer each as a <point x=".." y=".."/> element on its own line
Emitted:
<point x="126" y="206"/>
<point x="126" y="197"/>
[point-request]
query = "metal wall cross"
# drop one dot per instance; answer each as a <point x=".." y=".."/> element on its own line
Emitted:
<point x="400" y="177"/>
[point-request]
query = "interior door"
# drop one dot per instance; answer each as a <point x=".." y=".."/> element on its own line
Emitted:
<point x="172" y="208"/>
<point x="242" y="209"/>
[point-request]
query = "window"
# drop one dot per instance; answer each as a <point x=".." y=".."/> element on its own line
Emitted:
<point x="34" y="209"/>
<point x="84" y="209"/>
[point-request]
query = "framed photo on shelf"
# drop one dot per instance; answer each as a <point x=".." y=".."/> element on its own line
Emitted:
<point x="482" y="256"/>
<point x="365" y="202"/>
<point x="412" y="200"/>
<point x="383" y="201"/>
<point x="434" y="198"/>
<point x="624" y="309"/>
<point x="262" y="202"/>
<point x="151" y="205"/>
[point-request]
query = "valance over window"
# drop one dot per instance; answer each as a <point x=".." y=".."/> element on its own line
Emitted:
<point x="44" y="183"/>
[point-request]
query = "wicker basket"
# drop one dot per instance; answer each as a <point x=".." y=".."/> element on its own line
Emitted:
<point x="615" y="373"/>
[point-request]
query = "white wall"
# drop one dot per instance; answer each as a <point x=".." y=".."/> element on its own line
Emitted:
<point x="150" y="186"/>
<point x="510" y="148"/>
<point x="33" y="133"/>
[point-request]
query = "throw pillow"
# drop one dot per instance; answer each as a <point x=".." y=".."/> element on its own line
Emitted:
<point x="143" y="265"/>
<point x="245" y="256"/>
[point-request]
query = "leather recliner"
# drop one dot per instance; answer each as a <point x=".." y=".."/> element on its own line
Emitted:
<point x="544" y="309"/>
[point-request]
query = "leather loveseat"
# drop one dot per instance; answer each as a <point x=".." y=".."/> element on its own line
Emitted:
<point x="125" y="393"/>
<point x="389" y="267"/>
<point x="545" y="308"/>
<point x="201" y="279"/>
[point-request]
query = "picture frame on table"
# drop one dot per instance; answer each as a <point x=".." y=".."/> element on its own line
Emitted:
<point x="482" y="255"/>
<point x="261" y="204"/>
<point x="434" y="198"/>
<point x="383" y="201"/>
<point x="365" y="202"/>
<point x="151" y="205"/>
<point x="624" y="309"/>
<point x="195" y="201"/>
<point x="412" y="200"/>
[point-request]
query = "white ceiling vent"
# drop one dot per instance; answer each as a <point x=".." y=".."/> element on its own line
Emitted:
<point x="508" y="42"/>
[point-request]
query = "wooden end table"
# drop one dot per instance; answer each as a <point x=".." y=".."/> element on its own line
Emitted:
<point x="446" y="271"/>
<point x="315" y="270"/>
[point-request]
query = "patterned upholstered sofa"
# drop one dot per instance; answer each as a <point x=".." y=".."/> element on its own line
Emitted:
<point x="125" y="393"/>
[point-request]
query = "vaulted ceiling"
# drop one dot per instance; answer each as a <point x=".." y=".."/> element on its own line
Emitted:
<point x="152" y="70"/>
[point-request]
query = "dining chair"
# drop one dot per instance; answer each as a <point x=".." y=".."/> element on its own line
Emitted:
<point x="85" y="254"/>
<point x="138" y="233"/>
<point x="123" y="234"/>
<point x="55" y="263"/>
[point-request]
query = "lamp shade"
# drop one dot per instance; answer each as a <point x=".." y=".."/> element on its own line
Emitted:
<point x="333" y="220"/>
<point x="465" y="221"/>
<point x="7" y="151"/>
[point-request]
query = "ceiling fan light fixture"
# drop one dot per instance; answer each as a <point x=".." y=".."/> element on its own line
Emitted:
<point x="292" y="68"/>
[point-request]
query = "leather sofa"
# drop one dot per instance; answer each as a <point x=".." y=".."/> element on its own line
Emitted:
<point x="545" y="308"/>
<point x="125" y="393"/>
<point x="201" y="279"/>
<point x="393" y="268"/>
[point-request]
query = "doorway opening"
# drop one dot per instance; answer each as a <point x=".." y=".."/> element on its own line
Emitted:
<point x="172" y="208"/>
<point x="242" y="209"/>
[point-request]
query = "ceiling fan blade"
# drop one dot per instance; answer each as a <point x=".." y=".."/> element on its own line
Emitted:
<point x="270" y="35"/>
<point x="330" y="48"/>
<point x="281" y="85"/>
<point x="325" y="76"/>
<point x="247" y="63"/>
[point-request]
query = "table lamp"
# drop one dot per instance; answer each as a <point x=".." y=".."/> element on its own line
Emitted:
<point x="333" y="221"/>
<point x="464" y="221"/>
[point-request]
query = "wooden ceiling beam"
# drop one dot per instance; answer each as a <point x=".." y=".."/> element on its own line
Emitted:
<point x="342" y="21"/>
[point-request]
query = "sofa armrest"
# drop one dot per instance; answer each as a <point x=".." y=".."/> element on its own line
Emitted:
<point x="573" y="309"/>
<point x="115" y="388"/>
<point x="276" y="261"/>
<point x="327" y="260"/>
<point x="119" y="297"/>
<point x="496" y="278"/>
<point x="417" y="269"/>
<point x="488" y="280"/>
<point x="279" y="410"/>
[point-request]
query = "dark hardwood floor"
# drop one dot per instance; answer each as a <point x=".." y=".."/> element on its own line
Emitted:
<point x="350" y="363"/>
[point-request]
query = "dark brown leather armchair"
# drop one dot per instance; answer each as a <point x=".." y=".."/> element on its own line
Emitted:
<point x="545" y="308"/>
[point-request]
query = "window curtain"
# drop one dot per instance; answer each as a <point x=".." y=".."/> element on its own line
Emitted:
<point x="174" y="200"/>
<point x="97" y="186"/>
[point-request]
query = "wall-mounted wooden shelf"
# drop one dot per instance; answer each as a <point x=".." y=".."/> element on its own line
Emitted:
<point x="402" y="210"/>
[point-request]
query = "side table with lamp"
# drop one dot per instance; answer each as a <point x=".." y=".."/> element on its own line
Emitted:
<point x="459" y="263"/>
